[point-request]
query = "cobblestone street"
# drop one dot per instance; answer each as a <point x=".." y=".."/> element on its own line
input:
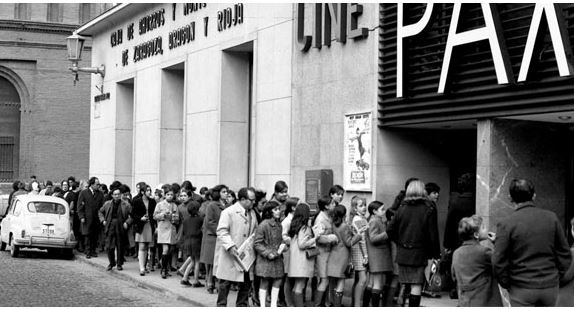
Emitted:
<point x="38" y="279"/>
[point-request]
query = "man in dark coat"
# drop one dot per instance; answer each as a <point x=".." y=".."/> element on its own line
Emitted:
<point x="115" y="218"/>
<point x="460" y="206"/>
<point x="531" y="252"/>
<point x="90" y="201"/>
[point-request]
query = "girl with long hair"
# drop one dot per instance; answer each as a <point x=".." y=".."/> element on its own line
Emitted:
<point x="341" y="252"/>
<point x="144" y="225"/>
<point x="213" y="210"/>
<point x="359" y="253"/>
<point x="167" y="217"/>
<point x="300" y="267"/>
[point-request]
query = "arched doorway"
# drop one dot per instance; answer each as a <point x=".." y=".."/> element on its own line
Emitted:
<point x="9" y="131"/>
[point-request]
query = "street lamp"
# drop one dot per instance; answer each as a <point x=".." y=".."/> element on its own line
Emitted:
<point x="75" y="44"/>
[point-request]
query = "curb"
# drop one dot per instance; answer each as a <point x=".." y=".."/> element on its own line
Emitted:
<point x="120" y="275"/>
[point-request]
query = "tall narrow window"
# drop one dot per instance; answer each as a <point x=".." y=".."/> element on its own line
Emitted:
<point x="85" y="12"/>
<point x="55" y="13"/>
<point x="22" y="11"/>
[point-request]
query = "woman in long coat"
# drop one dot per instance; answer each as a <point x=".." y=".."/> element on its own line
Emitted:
<point x="213" y="210"/>
<point x="167" y="219"/>
<point x="144" y="225"/>
<point x="414" y="229"/>
<point x="323" y="226"/>
<point x="340" y="254"/>
<point x="269" y="246"/>
<point x="301" y="267"/>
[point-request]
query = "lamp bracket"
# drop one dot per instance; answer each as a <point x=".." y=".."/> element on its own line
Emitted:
<point x="95" y="70"/>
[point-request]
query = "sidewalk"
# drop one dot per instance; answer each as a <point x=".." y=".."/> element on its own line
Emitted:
<point x="198" y="297"/>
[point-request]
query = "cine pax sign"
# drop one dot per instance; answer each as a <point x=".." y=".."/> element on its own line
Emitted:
<point x="493" y="33"/>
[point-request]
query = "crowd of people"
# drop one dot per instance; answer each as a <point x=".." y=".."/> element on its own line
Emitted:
<point x="384" y="249"/>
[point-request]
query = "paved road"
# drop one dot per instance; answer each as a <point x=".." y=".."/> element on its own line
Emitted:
<point x="37" y="279"/>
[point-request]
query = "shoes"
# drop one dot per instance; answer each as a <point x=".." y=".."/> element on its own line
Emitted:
<point x="179" y="273"/>
<point x="185" y="282"/>
<point x="147" y="271"/>
<point x="211" y="290"/>
<point x="110" y="267"/>
<point x="88" y="256"/>
<point x="93" y="254"/>
<point x="197" y="285"/>
<point x="142" y="273"/>
<point x="171" y="268"/>
<point x="163" y="275"/>
<point x="120" y="267"/>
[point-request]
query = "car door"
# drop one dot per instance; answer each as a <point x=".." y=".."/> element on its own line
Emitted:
<point x="5" y="224"/>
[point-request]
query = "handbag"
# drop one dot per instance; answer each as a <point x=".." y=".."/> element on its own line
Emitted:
<point x="311" y="252"/>
<point x="435" y="283"/>
<point x="349" y="270"/>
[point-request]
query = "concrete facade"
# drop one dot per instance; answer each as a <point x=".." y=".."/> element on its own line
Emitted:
<point x="215" y="110"/>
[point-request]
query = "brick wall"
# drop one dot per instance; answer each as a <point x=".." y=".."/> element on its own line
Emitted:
<point x="55" y="115"/>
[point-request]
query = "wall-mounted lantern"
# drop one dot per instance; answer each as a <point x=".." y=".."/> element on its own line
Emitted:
<point x="75" y="44"/>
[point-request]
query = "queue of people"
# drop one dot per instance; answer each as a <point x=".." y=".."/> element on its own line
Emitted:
<point x="273" y="251"/>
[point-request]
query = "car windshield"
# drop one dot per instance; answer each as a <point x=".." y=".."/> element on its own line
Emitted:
<point x="46" y="208"/>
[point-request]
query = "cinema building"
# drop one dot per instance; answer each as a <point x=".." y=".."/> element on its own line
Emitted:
<point x="362" y="95"/>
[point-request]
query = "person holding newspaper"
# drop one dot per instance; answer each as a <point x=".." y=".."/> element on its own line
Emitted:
<point x="234" y="259"/>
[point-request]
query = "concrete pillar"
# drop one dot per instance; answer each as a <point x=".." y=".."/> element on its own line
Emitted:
<point x="509" y="149"/>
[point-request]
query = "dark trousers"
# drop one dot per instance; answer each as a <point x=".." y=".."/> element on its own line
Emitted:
<point x="242" y="295"/>
<point x="91" y="242"/>
<point x="520" y="297"/>
<point x="115" y="241"/>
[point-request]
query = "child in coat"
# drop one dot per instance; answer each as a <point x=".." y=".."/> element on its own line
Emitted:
<point x="269" y="246"/>
<point x="472" y="267"/>
<point x="340" y="255"/>
<point x="191" y="244"/>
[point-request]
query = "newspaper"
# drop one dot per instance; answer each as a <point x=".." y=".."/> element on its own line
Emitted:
<point x="246" y="254"/>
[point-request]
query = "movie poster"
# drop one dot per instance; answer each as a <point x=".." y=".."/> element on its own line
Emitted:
<point x="358" y="150"/>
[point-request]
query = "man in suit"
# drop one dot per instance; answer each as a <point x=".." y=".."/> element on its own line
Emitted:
<point x="116" y="218"/>
<point x="531" y="253"/>
<point x="90" y="201"/>
<point x="236" y="224"/>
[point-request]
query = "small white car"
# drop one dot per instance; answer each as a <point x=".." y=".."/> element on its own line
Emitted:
<point x="37" y="221"/>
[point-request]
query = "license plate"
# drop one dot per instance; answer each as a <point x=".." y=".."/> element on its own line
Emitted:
<point x="48" y="231"/>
